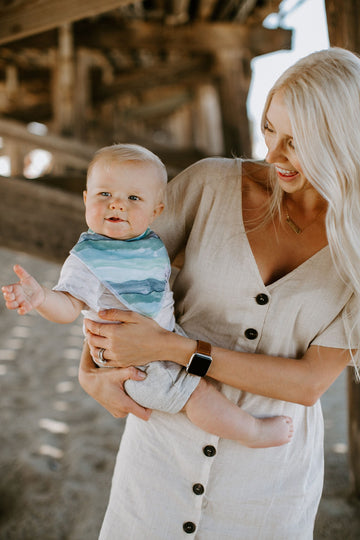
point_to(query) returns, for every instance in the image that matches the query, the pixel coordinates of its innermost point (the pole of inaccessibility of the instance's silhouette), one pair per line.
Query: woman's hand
(138, 340)
(107, 387)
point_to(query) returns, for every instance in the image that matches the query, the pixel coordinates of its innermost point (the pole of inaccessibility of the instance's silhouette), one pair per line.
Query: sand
(58, 445)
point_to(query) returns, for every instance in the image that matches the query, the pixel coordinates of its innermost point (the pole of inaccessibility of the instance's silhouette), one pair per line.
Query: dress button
(198, 489)
(209, 450)
(262, 299)
(251, 333)
(189, 527)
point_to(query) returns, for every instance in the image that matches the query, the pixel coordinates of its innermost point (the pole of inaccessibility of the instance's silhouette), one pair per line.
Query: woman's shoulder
(256, 174)
(215, 169)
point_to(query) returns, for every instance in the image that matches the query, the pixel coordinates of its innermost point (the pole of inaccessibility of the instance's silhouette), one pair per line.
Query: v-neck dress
(174, 481)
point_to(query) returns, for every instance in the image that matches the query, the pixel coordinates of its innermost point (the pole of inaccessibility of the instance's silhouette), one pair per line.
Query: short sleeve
(183, 196)
(340, 333)
(77, 280)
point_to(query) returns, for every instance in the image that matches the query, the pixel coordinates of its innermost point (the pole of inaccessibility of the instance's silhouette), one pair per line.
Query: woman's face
(281, 149)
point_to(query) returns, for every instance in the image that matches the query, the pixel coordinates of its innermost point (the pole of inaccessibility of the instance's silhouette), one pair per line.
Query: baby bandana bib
(136, 271)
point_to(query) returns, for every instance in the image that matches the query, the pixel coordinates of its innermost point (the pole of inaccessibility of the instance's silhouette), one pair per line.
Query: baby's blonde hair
(122, 152)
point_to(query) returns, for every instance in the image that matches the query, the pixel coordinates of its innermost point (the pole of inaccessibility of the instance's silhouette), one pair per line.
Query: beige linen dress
(173, 481)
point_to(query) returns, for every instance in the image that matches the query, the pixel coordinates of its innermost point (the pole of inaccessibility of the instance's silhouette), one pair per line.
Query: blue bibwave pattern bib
(136, 271)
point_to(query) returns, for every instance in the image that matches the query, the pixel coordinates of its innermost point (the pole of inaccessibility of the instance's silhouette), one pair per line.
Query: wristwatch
(200, 361)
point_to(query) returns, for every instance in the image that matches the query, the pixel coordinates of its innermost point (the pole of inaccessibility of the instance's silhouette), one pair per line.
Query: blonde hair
(120, 153)
(322, 96)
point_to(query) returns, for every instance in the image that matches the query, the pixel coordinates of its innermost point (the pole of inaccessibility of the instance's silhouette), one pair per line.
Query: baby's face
(122, 199)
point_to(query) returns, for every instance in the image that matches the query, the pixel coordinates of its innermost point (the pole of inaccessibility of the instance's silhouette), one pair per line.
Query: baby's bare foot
(273, 431)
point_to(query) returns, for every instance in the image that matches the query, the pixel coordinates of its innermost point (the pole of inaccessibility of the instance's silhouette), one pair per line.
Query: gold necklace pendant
(293, 225)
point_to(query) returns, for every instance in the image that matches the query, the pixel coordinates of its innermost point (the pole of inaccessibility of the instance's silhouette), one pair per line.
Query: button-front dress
(173, 481)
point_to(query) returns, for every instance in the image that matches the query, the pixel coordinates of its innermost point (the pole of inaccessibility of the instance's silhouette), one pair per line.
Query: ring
(102, 361)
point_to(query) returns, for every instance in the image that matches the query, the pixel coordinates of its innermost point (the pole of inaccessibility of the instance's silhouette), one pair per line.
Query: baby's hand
(25, 295)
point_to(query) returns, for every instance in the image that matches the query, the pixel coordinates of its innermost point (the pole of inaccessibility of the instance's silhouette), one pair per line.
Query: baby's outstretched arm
(28, 294)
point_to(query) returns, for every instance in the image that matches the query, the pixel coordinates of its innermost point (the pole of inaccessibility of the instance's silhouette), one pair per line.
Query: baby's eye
(105, 194)
(134, 198)
(291, 144)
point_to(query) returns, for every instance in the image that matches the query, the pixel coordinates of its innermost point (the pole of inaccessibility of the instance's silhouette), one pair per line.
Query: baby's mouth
(115, 219)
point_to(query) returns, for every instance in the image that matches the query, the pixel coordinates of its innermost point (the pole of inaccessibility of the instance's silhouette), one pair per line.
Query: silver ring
(102, 361)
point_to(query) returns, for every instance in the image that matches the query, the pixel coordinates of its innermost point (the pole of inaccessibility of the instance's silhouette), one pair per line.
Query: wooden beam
(190, 38)
(27, 17)
(188, 71)
(51, 220)
(164, 106)
(75, 152)
(197, 37)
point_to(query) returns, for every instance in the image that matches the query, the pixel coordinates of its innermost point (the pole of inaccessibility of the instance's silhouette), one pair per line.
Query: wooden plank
(23, 18)
(197, 37)
(51, 220)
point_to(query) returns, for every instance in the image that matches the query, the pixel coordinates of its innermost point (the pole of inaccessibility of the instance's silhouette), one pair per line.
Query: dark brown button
(189, 527)
(262, 299)
(251, 333)
(198, 489)
(209, 450)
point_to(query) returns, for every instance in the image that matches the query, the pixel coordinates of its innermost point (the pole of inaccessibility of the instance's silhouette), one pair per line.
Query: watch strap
(203, 347)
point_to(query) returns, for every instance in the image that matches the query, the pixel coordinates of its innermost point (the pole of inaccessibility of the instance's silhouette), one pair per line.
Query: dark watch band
(200, 361)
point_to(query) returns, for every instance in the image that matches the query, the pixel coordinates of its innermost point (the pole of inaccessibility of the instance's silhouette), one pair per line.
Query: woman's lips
(285, 174)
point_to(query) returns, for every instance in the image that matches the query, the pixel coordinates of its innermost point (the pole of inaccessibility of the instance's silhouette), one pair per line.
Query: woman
(265, 244)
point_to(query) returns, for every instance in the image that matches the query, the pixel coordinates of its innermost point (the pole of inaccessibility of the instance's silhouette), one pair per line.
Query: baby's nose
(118, 204)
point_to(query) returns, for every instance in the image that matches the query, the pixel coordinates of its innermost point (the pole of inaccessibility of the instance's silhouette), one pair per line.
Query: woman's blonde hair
(322, 96)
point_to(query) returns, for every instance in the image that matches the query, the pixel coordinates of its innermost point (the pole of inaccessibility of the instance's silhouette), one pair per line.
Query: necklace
(293, 226)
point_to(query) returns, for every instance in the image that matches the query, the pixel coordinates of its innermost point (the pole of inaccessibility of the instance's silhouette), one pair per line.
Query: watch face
(199, 364)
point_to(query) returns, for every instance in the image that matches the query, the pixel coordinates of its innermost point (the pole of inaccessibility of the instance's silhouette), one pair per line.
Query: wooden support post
(82, 110)
(207, 125)
(343, 25)
(16, 156)
(64, 84)
(234, 73)
(354, 432)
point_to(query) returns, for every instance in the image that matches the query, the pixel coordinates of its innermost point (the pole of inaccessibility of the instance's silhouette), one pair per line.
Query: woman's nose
(274, 152)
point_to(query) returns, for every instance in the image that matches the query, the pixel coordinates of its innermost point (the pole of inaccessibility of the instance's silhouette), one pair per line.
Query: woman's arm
(139, 340)
(107, 387)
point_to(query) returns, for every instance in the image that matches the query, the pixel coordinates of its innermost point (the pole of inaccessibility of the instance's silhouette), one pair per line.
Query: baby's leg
(210, 410)
(167, 387)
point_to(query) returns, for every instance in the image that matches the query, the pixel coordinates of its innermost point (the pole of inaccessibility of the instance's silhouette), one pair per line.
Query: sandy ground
(58, 445)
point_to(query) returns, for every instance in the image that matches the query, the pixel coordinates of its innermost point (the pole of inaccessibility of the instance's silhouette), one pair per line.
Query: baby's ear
(158, 209)
(84, 196)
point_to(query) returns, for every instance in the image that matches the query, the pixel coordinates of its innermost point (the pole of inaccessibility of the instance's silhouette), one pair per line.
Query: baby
(120, 263)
